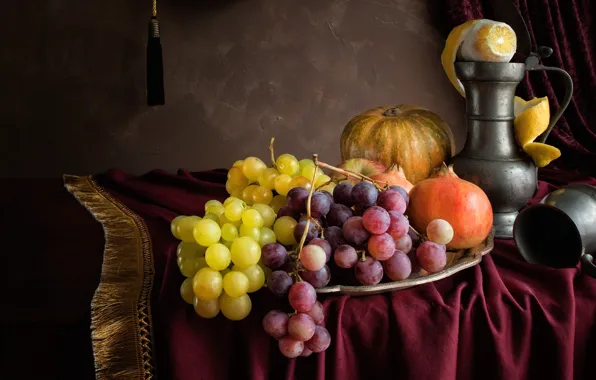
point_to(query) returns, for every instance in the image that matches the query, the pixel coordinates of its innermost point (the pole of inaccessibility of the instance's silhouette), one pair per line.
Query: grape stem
(349, 173)
(317, 224)
(315, 158)
(272, 153)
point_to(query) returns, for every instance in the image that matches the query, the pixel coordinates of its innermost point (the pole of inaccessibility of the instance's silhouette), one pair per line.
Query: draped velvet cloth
(569, 27)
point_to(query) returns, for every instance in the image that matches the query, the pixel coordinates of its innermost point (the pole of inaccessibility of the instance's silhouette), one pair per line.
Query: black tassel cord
(155, 85)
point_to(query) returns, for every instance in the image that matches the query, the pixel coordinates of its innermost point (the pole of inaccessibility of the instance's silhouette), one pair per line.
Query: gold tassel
(120, 310)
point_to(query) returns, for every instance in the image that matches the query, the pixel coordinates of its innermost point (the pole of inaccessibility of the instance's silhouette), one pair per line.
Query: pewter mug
(560, 230)
(491, 157)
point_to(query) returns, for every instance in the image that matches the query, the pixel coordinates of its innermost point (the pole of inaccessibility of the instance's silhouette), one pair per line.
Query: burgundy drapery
(569, 27)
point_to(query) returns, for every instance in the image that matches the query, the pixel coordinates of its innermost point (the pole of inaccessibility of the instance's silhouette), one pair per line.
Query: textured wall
(237, 73)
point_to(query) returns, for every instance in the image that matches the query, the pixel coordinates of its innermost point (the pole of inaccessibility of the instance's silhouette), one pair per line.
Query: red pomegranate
(463, 204)
(394, 176)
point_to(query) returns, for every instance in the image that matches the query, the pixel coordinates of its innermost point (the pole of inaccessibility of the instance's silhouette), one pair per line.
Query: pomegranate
(394, 176)
(463, 204)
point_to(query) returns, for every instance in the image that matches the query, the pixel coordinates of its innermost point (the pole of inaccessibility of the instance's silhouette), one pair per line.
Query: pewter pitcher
(492, 158)
(561, 230)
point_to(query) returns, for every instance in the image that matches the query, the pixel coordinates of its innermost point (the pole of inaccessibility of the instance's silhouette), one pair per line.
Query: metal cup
(560, 230)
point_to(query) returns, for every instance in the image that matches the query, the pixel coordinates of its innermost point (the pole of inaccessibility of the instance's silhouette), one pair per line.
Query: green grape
(229, 232)
(236, 178)
(223, 220)
(267, 236)
(237, 192)
(267, 213)
(309, 171)
(186, 226)
(278, 202)
(252, 167)
(245, 252)
(328, 187)
(265, 270)
(233, 190)
(228, 243)
(190, 250)
(207, 284)
(284, 230)
(207, 232)
(235, 309)
(206, 309)
(287, 164)
(186, 291)
(214, 207)
(238, 163)
(218, 256)
(211, 216)
(235, 283)
(262, 195)
(305, 162)
(188, 267)
(322, 179)
(252, 232)
(255, 275)
(282, 184)
(247, 194)
(300, 181)
(252, 218)
(267, 178)
(234, 210)
(224, 272)
(229, 200)
(174, 226)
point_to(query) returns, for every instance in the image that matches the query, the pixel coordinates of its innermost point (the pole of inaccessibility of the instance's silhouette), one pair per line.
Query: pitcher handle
(533, 64)
(588, 265)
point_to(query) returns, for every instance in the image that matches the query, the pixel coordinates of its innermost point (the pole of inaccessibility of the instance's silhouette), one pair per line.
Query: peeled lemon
(542, 154)
(477, 40)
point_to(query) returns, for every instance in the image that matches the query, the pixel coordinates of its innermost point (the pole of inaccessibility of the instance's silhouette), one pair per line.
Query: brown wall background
(237, 73)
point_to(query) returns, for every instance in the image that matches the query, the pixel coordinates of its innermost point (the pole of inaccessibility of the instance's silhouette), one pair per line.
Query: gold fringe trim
(120, 310)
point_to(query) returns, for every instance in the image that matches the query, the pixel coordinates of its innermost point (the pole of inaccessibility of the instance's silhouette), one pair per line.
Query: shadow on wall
(236, 74)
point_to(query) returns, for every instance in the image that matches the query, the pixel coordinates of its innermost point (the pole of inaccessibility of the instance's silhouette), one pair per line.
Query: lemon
(454, 41)
(531, 119)
(489, 41)
(542, 154)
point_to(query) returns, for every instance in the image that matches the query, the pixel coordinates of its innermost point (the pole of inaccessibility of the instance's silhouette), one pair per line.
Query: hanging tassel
(155, 83)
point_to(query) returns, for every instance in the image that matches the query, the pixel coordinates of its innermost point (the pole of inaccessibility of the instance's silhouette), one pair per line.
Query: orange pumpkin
(410, 136)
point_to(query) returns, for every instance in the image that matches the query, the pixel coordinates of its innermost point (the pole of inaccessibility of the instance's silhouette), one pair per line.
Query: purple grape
(369, 271)
(338, 214)
(318, 279)
(404, 243)
(376, 220)
(286, 211)
(399, 225)
(297, 199)
(364, 193)
(345, 256)
(403, 193)
(359, 210)
(319, 205)
(381, 247)
(279, 283)
(323, 244)
(301, 327)
(302, 296)
(431, 256)
(354, 231)
(335, 236)
(305, 353)
(317, 313)
(299, 230)
(392, 200)
(320, 341)
(290, 348)
(398, 267)
(414, 236)
(328, 195)
(342, 194)
(274, 255)
(289, 266)
(275, 324)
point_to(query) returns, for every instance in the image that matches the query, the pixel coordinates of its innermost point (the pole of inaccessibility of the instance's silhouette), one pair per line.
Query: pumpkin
(410, 136)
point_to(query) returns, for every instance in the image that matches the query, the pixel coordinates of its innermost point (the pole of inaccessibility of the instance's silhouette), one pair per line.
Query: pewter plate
(459, 261)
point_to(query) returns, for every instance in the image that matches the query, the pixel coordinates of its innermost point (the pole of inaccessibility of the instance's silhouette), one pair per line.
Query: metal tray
(458, 261)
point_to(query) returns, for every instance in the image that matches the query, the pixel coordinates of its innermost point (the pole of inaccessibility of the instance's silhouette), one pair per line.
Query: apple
(394, 176)
(362, 166)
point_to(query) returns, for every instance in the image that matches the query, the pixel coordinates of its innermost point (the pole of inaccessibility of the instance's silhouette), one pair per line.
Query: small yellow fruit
(489, 41)
(542, 154)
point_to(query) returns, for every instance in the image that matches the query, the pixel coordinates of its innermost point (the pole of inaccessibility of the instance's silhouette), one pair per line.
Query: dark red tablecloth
(503, 319)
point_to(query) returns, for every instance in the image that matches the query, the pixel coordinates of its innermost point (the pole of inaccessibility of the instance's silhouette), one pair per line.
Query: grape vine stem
(315, 158)
(349, 173)
(273, 164)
